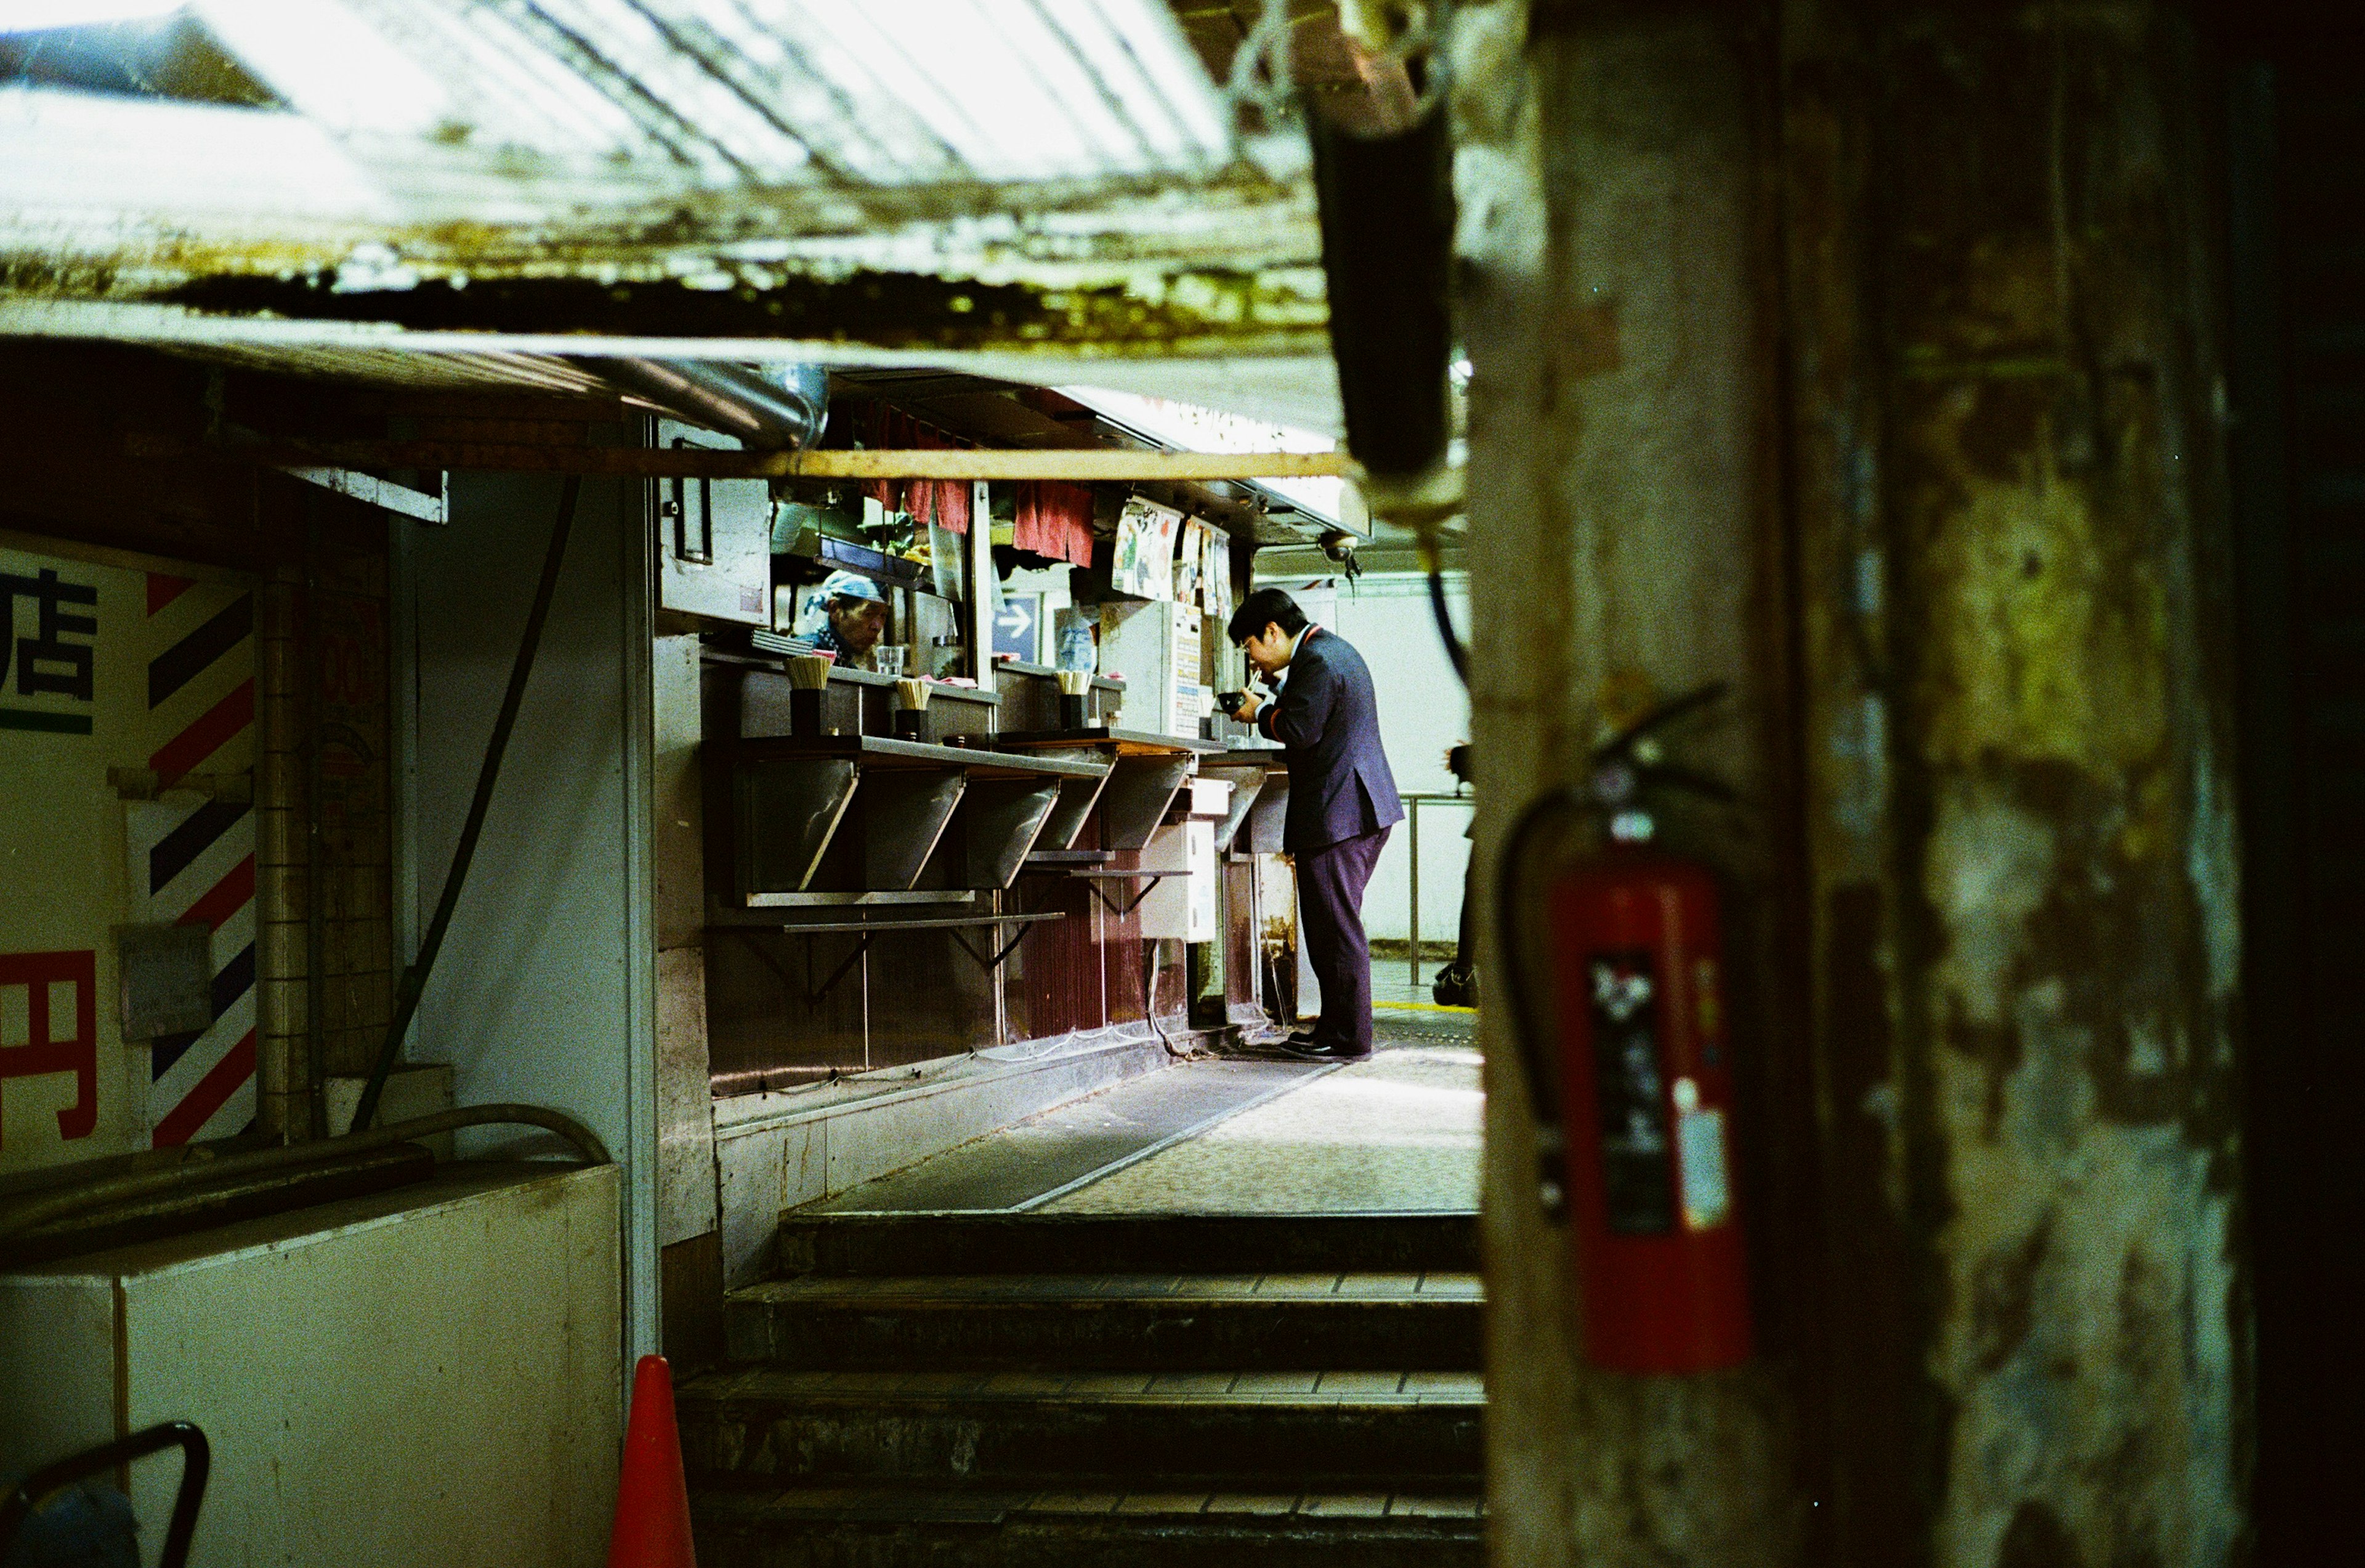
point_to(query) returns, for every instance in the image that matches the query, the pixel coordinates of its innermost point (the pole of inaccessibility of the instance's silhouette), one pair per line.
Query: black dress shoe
(1322, 1051)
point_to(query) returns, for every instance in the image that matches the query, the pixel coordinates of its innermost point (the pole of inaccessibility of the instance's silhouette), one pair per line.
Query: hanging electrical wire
(1432, 563)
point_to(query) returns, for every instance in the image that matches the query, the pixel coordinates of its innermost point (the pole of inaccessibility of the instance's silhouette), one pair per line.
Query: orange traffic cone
(652, 1499)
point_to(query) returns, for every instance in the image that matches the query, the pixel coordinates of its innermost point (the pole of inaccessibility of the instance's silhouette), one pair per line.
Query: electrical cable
(1527, 1021)
(414, 975)
(1455, 651)
(1432, 563)
(1150, 998)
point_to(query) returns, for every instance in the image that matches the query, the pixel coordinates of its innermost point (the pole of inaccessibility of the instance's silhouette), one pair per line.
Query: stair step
(1350, 1431)
(1167, 1322)
(856, 1528)
(1172, 1244)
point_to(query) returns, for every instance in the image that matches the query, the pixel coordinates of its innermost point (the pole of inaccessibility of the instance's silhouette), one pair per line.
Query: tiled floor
(1014, 1168)
(1397, 1133)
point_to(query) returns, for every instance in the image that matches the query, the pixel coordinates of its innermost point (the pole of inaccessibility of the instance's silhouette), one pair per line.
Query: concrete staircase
(981, 1392)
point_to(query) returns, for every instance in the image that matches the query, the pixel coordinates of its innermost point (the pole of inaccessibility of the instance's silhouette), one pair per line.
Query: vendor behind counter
(845, 615)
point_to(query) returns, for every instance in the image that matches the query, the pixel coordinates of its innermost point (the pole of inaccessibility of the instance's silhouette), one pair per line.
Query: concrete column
(1954, 533)
(2009, 501)
(1616, 317)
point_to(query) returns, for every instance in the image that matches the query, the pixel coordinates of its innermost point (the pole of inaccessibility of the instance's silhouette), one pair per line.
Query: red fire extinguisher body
(1646, 1072)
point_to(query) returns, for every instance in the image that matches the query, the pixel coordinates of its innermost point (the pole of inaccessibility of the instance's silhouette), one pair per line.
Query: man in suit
(1342, 801)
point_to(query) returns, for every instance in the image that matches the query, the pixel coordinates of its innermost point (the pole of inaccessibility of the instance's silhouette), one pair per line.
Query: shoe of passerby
(1456, 986)
(1323, 1050)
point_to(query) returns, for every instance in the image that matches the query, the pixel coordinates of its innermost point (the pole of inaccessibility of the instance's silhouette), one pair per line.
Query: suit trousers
(1331, 882)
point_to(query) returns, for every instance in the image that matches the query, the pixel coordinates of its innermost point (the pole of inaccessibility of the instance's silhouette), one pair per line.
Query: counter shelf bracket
(1076, 799)
(795, 797)
(904, 820)
(1001, 821)
(788, 811)
(993, 965)
(1248, 786)
(1133, 799)
(814, 996)
(1093, 879)
(868, 929)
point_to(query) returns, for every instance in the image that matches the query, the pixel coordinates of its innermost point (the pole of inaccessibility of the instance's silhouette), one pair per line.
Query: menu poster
(1215, 569)
(1143, 563)
(1188, 565)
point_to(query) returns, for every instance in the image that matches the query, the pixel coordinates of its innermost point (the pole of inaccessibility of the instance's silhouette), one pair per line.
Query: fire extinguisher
(1632, 1082)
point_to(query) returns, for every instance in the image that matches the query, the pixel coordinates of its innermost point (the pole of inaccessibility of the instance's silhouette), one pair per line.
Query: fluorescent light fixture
(40, 16)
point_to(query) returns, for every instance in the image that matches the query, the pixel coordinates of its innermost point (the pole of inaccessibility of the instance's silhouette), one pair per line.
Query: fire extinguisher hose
(1528, 1032)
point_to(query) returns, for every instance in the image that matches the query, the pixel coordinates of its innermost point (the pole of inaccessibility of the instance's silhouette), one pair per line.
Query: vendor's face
(1268, 649)
(857, 621)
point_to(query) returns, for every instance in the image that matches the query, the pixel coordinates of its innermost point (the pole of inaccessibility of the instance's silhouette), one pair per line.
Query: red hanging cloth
(1054, 520)
(945, 502)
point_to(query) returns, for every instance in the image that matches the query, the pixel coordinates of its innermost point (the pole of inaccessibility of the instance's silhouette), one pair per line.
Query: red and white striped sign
(195, 865)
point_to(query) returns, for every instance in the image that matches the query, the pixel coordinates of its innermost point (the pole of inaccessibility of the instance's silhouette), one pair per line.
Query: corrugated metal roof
(404, 191)
(662, 94)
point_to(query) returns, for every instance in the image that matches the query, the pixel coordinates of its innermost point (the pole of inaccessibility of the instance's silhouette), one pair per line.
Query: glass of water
(890, 657)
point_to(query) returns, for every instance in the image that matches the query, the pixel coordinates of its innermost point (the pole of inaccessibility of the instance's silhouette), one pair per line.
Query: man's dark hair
(1266, 607)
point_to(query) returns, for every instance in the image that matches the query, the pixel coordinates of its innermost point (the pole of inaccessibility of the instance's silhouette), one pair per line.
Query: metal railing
(1413, 801)
(18, 1503)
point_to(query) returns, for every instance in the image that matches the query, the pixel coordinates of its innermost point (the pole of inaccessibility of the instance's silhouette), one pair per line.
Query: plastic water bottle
(1076, 645)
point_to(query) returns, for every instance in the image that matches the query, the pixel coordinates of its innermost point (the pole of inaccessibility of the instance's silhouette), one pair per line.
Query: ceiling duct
(768, 408)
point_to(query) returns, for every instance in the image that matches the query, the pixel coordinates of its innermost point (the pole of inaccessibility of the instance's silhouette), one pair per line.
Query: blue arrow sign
(1014, 629)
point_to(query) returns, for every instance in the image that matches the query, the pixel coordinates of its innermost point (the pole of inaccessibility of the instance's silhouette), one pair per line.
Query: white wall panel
(428, 1377)
(544, 990)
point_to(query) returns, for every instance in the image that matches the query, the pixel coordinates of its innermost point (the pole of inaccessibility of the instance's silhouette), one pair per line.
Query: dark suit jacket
(1339, 786)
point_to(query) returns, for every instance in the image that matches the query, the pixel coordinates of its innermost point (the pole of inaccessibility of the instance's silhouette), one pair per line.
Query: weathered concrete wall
(2024, 821)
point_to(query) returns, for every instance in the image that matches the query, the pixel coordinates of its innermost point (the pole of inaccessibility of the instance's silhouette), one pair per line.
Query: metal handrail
(1413, 800)
(196, 1463)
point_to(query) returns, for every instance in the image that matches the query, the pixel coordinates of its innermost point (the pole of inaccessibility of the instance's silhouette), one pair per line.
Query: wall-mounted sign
(1018, 628)
(108, 673)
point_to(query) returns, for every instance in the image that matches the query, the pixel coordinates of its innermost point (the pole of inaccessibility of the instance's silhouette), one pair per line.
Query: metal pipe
(316, 849)
(30, 1211)
(778, 407)
(196, 1463)
(1413, 800)
(1412, 818)
(1386, 205)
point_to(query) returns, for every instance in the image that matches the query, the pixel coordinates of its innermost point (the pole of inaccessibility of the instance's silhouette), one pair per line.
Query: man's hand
(1251, 706)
